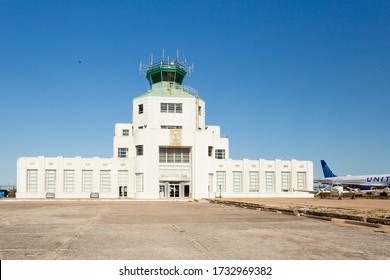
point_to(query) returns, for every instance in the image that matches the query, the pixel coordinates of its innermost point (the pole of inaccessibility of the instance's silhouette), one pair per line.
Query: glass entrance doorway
(175, 189)
(122, 191)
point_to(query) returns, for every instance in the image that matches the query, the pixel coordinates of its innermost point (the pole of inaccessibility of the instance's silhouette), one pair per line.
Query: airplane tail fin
(327, 172)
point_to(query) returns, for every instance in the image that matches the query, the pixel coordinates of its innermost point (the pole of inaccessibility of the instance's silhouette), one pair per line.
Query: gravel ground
(378, 208)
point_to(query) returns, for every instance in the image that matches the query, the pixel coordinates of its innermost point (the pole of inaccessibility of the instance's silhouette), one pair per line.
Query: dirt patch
(367, 208)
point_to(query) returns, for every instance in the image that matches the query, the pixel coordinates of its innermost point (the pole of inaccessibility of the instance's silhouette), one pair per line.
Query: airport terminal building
(167, 152)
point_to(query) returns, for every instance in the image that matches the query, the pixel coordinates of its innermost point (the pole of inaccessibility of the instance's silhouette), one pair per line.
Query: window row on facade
(69, 182)
(165, 108)
(254, 182)
(171, 107)
(169, 154)
(124, 152)
(176, 155)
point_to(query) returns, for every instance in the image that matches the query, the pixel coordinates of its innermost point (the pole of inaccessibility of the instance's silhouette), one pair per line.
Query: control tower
(168, 74)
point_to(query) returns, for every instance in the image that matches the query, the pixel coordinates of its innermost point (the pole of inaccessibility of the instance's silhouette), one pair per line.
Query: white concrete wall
(262, 166)
(77, 164)
(153, 118)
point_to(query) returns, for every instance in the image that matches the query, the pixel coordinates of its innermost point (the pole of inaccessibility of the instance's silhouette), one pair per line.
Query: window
(171, 107)
(286, 181)
(50, 180)
(156, 77)
(301, 180)
(176, 155)
(179, 107)
(219, 153)
(237, 181)
(199, 110)
(171, 127)
(210, 152)
(269, 181)
(139, 150)
(122, 152)
(140, 108)
(253, 181)
(86, 181)
(221, 181)
(125, 132)
(105, 180)
(123, 177)
(32, 180)
(69, 180)
(168, 76)
(139, 182)
(210, 182)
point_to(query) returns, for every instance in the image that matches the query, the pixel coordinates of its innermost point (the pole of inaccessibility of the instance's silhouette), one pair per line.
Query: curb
(350, 219)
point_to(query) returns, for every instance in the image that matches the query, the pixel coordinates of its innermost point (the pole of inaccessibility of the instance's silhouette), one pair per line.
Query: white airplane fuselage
(381, 180)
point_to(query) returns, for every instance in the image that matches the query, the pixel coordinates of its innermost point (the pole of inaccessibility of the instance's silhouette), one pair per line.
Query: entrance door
(186, 190)
(122, 191)
(174, 190)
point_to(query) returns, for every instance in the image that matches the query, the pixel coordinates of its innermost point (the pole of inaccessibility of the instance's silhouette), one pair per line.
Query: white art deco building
(167, 152)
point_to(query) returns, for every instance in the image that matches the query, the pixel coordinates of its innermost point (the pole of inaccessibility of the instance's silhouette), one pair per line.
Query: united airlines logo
(378, 179)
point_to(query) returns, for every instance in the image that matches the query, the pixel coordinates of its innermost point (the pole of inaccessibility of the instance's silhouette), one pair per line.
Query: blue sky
(306, 80)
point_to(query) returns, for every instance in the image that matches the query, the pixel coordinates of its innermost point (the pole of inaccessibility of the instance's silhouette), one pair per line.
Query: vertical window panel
(50, 180)
(32, 180)
(105, 180)
(269, 181)
(86, 180)
(286, 181)
(254, 181)
(139, 182)
(69, 180)
(301, 181)
(221, 181)
(237, 181)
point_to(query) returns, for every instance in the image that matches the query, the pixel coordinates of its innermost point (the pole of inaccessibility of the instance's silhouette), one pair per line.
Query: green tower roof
(166, 71)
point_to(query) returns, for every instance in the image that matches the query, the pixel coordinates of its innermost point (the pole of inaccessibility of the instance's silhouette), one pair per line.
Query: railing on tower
(166, 64)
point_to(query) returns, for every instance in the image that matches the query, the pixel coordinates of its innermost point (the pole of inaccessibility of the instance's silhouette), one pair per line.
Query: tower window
(125, 132)
(122, 152)
(171, 127)
(210, 151)
(179, 107)
(139, 149)
(171, 107)
(140, 108)
(220, 153)
(176, 155)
